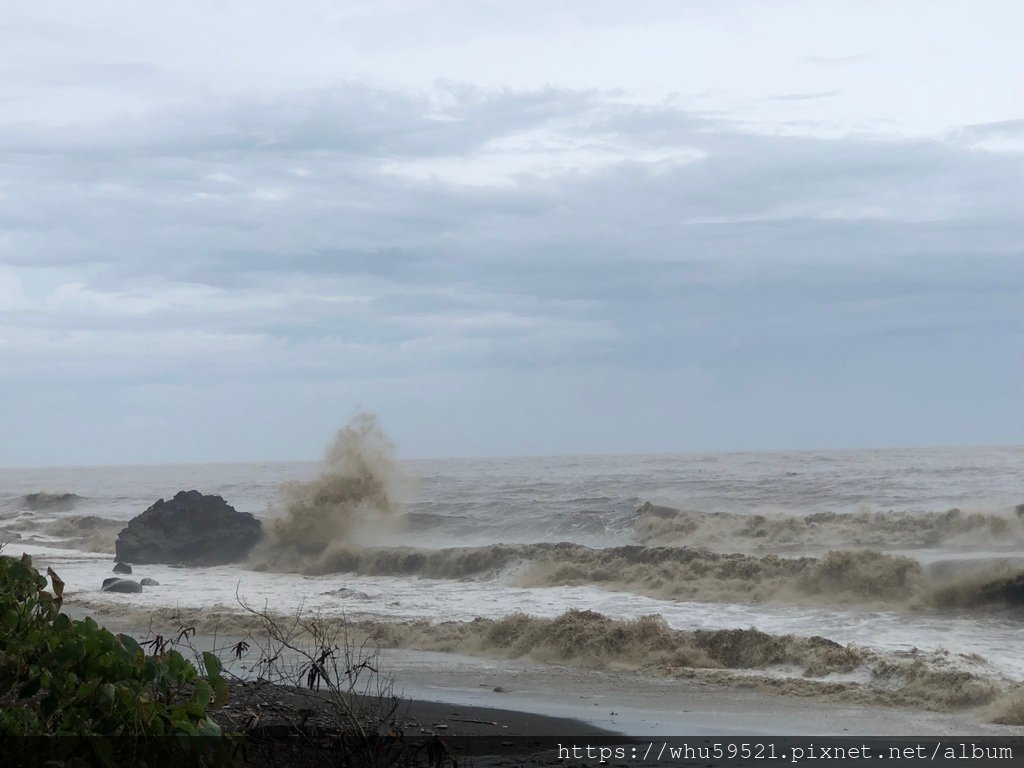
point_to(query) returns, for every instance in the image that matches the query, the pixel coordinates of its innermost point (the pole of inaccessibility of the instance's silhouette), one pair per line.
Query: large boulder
(121, 585)
(190, 529)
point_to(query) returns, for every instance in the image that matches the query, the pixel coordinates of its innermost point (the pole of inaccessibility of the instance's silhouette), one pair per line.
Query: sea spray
(354, 491)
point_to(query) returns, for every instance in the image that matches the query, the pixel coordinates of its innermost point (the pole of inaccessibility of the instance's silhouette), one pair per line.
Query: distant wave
(731, 532)
(41, 501)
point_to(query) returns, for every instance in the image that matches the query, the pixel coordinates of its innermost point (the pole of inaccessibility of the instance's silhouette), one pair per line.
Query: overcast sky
(509, 227)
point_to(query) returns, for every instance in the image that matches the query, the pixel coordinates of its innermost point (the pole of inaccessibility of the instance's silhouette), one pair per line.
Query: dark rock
(149, 583)
(190, 529)
(111, 580)
(122, 568)
(655, 510)
(121, 585)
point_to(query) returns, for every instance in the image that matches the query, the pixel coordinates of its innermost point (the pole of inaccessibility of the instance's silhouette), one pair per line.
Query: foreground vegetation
(74, 695)
(72, 692)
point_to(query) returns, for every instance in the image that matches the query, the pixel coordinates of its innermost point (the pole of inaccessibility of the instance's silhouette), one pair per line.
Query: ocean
(884, 576)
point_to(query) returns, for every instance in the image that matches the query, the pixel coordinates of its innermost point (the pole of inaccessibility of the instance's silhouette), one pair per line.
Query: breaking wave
(1008, 709)
(843, 577)
(789, 664)
(88, 533)
(937, 680)
(725, 531)
(840, 577)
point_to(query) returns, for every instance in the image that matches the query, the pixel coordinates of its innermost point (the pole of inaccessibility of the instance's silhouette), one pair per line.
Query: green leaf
(87, 689)
(184, 726)
(220, 689)
(213, 665)
(208, 728)
(130, 643)
(109, 691)
(203, 694)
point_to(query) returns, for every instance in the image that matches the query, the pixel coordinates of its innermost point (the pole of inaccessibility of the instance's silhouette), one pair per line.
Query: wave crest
(726, 531)
(46, 501)
(937, 680)
(88, 533)
(841, 577)
(796, 665)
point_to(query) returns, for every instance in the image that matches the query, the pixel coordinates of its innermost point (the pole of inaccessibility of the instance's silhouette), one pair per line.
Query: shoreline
(607, 701)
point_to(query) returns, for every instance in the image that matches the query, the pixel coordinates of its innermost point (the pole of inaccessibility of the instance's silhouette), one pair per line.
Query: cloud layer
(495, 270)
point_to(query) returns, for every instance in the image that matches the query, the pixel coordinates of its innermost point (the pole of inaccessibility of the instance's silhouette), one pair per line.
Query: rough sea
(889, 576)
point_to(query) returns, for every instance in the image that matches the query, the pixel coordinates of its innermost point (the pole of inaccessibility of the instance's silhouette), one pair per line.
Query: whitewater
(883, 576)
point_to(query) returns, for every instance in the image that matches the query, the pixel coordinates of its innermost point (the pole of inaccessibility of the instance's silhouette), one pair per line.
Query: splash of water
(354, 491)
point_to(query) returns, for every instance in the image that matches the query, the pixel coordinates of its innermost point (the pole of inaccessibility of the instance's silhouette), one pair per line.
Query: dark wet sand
(289, 726)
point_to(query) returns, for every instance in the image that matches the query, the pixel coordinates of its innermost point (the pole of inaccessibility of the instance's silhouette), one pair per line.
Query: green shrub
(73, 692)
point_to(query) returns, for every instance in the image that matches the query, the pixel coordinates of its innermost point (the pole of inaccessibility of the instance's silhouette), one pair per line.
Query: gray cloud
(406, 247)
